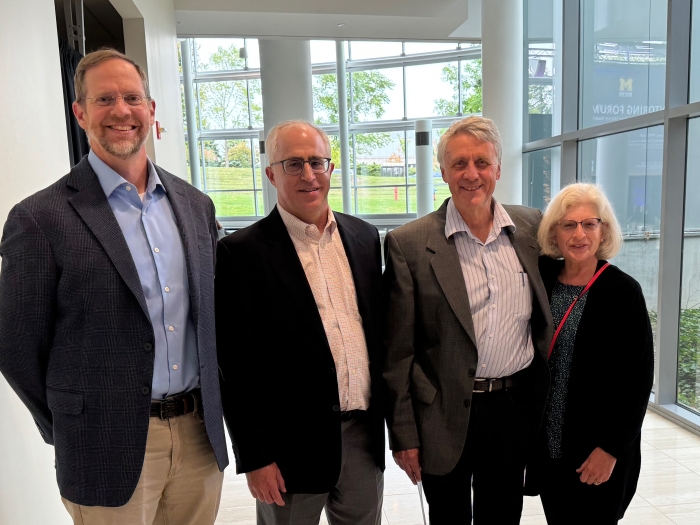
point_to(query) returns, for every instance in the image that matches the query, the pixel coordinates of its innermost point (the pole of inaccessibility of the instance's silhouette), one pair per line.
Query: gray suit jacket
(431, 349)
(76, 341)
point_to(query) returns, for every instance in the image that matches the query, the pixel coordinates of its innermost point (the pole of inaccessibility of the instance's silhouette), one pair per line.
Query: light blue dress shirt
(154, 241)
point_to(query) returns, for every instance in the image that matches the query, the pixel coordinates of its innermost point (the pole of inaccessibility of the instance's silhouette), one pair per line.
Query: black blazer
(76, 341)
(611, 374)
(279, 388)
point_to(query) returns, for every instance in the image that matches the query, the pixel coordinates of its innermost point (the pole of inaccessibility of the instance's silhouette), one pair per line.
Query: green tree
(239, 154)
(540, 99)
(471, 89)
(369, 98)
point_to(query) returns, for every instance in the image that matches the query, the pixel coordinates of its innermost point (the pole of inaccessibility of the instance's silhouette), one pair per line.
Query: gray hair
(271, 141)
(575, 195)
(481, 128)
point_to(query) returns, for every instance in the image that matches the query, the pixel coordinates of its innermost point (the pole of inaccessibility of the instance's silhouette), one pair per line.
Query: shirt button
(490, 335)
(167, 288)
(156, 250)
(174, 367)
(492, 276)
(483, 366)
(171, 328)
(128, 188)
(493, 306)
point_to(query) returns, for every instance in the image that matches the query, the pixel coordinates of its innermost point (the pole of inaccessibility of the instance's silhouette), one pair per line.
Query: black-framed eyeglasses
(132, 99)
(588, 225)
(296, 166)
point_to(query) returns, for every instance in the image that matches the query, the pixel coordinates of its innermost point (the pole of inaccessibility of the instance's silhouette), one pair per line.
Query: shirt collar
(110, 180)
(303, 231)
(455, 223)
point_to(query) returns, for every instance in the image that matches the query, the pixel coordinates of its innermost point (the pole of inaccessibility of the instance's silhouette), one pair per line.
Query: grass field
(369, 200)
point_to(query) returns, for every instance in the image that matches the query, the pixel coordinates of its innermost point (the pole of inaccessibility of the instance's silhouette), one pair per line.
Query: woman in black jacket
(601, 365)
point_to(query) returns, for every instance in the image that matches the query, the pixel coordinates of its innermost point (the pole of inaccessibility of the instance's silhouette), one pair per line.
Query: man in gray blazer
(107, 318)
(468, 330)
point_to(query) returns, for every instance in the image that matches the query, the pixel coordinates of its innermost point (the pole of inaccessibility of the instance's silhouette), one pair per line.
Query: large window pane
(623, 72)
(361, 49)
(377, 95)
(628, 167)
(542, 175)
(323, 51)
(224, 105)
(431, 90)
(695, 54)
(220, 54)
(413, 48)
(325, 96)
(544, 69)
(380, 172)
(689, 337)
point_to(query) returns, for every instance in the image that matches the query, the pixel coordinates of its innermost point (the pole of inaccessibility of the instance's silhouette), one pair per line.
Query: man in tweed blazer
(107, 319)
(467, 335)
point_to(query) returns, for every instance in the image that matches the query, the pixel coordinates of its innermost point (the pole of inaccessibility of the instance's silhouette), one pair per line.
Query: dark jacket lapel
(448, 271)
(186, 225)
(90, 203)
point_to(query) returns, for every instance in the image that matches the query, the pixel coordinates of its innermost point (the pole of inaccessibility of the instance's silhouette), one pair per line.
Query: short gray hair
(271, 141)
(575, 195)
(481, 128)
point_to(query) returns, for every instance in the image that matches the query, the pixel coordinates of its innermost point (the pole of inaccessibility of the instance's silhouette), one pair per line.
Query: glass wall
(387, 91)
(541, 170)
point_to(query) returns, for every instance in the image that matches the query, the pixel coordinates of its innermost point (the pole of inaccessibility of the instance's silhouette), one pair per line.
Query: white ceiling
(438, 20)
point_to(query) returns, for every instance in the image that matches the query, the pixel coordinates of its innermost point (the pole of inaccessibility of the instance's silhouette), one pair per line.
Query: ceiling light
(341, 25)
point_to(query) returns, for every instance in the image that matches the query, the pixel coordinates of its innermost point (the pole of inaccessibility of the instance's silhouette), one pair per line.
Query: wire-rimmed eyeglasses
(296, 166)
(588, 225)
(132, 99)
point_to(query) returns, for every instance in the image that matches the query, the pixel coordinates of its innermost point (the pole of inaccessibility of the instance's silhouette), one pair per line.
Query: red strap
(566, 315)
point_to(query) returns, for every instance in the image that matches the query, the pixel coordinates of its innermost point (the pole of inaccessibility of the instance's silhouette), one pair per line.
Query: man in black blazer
(298, 308)
(107, 318)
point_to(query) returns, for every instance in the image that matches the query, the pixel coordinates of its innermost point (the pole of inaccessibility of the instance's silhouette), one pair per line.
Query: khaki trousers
(180, 482)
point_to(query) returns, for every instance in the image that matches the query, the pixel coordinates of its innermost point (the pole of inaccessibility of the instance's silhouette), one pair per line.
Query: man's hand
(266, 484)
(597, 468)
(409, 461)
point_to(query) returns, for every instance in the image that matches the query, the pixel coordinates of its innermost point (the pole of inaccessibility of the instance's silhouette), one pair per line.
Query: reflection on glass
(380, 172)
(628, 168)
(695, 54)
(430, 90)
(689, 336)
(623, 45)
(377, 95)
(363, 49)
(542, 175)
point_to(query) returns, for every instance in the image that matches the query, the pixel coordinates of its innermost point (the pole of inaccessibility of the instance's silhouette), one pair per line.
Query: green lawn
(370, 200)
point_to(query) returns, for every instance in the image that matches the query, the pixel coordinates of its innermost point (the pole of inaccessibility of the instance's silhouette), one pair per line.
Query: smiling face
(119, 130)
(470, 168)
(305, 195)
(579, 246)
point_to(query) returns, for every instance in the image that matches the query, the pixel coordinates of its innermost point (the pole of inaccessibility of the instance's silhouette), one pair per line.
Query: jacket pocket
(423, 391)
(64, 401)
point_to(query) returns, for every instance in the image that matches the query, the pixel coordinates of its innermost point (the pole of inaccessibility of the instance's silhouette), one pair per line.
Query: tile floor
(668, 491)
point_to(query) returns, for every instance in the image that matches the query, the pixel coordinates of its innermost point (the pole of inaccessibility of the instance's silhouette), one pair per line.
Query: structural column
(285, 75)
(502, 78)
(424, 167)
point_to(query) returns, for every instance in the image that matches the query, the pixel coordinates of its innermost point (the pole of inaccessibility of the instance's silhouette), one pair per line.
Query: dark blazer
(76, 341)
(280, 391)
(431, 347)
(611, 376)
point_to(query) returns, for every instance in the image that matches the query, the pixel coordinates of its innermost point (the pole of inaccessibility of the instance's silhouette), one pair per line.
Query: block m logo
(626, 84)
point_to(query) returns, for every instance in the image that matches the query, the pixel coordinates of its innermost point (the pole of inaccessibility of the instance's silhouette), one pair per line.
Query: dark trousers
(567, 501)
(492, 463)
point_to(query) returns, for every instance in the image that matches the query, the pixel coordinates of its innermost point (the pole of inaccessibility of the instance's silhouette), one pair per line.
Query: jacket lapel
(90, 203)
(186, 225)
(448, 271)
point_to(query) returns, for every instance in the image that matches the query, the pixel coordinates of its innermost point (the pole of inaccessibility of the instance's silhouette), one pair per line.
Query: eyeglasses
(132, 99)
(589, 225)
(296, 166)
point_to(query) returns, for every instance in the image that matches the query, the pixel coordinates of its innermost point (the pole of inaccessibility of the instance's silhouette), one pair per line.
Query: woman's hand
(597, 468)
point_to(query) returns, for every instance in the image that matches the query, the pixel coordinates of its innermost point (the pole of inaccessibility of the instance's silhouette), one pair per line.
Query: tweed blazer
(280, 388)
(431, 346)
(76, 341)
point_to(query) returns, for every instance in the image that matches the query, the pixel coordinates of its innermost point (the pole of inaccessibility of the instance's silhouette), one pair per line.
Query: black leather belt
(178, 405)
(347, 415)
(494, 385)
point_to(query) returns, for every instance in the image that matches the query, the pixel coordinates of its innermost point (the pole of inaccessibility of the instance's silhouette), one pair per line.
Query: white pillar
(34, 153)
(267, 188)
(502, 78)
(424, 167)
(285, 76)
(343, 136)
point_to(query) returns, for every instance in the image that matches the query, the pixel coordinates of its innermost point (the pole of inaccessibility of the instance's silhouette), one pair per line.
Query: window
(695, 54)
(541, 171)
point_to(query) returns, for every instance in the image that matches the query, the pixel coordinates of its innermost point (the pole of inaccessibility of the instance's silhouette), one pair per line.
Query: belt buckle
(161, 412)
(491, 384)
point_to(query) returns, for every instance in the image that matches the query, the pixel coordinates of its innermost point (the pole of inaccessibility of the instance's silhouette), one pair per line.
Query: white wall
(150, 39)
(34, 153)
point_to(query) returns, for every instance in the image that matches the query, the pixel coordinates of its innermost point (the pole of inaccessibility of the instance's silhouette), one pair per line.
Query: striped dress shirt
(500, 294)
(327, 270)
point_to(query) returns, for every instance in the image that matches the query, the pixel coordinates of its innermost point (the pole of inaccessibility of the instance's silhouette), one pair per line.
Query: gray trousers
(355, 500)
